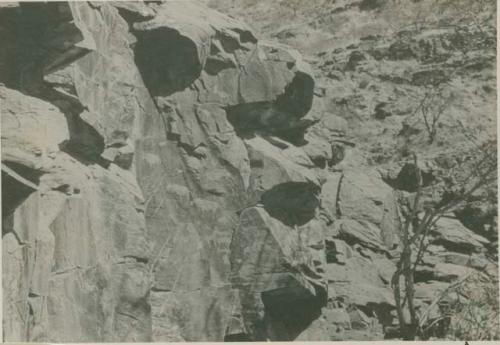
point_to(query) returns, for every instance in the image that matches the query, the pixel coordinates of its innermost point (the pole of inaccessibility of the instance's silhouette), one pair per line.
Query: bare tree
(432, 107)
(468, 179)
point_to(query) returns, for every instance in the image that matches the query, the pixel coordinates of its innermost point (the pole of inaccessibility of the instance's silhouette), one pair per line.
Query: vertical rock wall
(159, 183)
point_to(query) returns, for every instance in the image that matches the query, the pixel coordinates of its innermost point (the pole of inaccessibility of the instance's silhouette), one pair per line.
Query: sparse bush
(471, 178)
(468, 310)
(432, 107)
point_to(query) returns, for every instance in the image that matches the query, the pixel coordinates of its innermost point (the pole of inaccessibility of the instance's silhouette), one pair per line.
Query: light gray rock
(359, 282)
(275, 274)
(330, 195)
(453, 235)
(32, 129)
(168, 176)
(362, 232)
(271, 167)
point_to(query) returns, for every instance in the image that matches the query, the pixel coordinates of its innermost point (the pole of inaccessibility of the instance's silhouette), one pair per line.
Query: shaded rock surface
(167, 175)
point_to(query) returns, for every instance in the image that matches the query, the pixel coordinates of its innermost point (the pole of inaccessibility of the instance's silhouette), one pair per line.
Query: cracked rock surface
(169, 175)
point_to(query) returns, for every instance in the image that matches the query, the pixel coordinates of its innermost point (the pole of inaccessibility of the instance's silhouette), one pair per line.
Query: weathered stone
(442, 272)
(208, 310)
(166, 176)
(361, 232)
(329, 195)
(270, 167)
(453, 235)
(337, 251)
(114, 57)
(367, 198)
(32, 129)
(270, 263)
(474, 261)
(358, 282)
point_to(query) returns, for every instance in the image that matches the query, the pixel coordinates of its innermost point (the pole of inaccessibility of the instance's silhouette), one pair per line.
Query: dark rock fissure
(282, 117)
(289, 311)
(168, 61)
(16, 190)
(170, 117)
(293, 203)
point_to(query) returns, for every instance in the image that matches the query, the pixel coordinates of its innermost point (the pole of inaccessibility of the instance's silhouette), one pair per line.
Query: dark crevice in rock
(167, 61)
(248, 120)
(319, 161)
(245, 118)
(338, 212)
(381, 112)
(24, 172)
(295, 134)
(289, 311)
(138, 259)
(481, 221)
(298, 97)
(338, 154)
(157, 289)
(85, 143)
(132, 15)
(353, 241)
(332, 253)
(237, 338)
(7, 227)
(462, 248)
(424, 275)
(215, 66)
(293, 203)
(22, 34)
(190, 150)
(281, 117)
(39, 38)
(407, 179)
(370, 5)
(45, 36)
(380, 311)
(127, 315)
(18, 182)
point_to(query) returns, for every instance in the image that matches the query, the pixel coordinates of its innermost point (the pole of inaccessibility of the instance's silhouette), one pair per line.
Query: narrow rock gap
(293, 203)
(289, 311)
(338, 213)
(281, 117)
(18, 182)
(167, 61)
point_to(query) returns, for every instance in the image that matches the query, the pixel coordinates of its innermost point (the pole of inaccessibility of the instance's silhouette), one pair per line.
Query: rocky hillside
(170, 173)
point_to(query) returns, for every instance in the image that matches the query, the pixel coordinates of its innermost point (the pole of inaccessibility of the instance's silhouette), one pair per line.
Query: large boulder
(76, 247)
(32, 130)
(47, 37)
(259, 85)
(102, 91)
(366, 197)
(359, 282)
(215, 87)
(282, 292)
(455, 236)
(83, 275)
(365, 209)
(271, 166)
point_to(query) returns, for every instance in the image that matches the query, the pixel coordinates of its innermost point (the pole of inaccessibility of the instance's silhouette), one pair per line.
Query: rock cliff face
(167, 176)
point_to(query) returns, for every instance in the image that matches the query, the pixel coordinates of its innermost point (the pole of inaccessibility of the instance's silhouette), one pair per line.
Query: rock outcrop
(168, 176)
